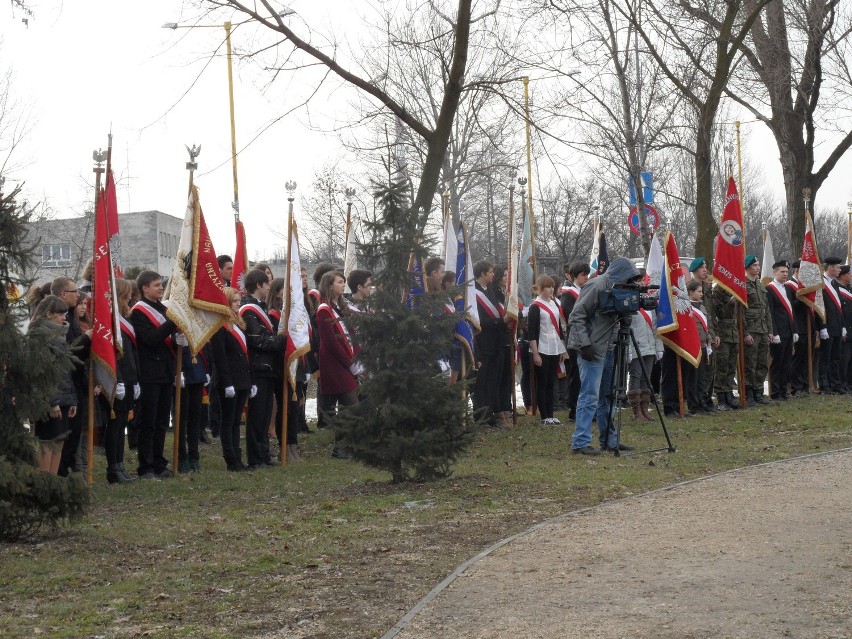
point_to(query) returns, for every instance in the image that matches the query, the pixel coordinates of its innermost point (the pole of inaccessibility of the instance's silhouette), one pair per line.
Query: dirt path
(760, 552)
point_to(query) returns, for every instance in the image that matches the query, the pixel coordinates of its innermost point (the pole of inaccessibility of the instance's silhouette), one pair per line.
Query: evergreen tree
(29, 373)
(410, 422)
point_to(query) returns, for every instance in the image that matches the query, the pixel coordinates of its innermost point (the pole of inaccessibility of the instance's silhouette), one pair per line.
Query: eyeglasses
(74, 291)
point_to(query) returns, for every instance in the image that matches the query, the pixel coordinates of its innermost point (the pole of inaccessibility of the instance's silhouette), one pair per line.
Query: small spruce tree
(410, 422)
(29, 374)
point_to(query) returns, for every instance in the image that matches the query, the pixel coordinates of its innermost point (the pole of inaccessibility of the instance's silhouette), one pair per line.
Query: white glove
(182, 380)
(843, 332)
(659, 355)
(137, 391)
(207, 383)
(774, 339)
(230, 392)
(823, 333)
(253, 391)
(629, 357)
(709, 350)
(180, 340)
(120, 392)
(795, 337)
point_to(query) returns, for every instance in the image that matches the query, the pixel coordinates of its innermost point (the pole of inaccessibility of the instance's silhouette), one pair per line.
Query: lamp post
(228, 26)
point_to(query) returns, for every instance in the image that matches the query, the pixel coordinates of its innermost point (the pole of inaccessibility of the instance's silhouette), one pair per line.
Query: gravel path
(764, 551)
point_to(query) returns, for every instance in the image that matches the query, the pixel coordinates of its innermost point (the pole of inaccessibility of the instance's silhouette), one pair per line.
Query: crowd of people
(564, 343)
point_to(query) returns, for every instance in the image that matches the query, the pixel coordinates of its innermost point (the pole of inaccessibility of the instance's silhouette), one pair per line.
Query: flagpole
(740, 171)
(236, 203)
(526, 81)
(514, 345)
(285, 409)
(191, 166)
(524, 211)
(806, 194)
(849, 233)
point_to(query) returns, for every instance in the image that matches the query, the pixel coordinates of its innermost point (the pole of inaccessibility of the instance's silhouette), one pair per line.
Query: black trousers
(545, 378)
(846, 365)
(487, 391)
(507, 383)
(229, 433)
(669, 383)
(190, 421)
(114, 437)
(831, 354)
(257, 421)
(215, 412)
(68, 458)
(156, 405)
(524, 347)
(798, 374)
(573, 375)
(779, 368)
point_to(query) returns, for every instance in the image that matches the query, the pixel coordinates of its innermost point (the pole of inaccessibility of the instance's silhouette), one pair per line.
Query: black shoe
(123, 472)
(272, 462)
(256, 466)
(149, 476)
(183, 467)
(195, 465)
(585, 450)
(237, 468)
(760, 398)
(203, 438)
(165, 474)
(621, 446)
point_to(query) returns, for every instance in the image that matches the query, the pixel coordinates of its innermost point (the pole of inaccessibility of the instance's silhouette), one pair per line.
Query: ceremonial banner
(450, 252)
(811, 281)
(599, 258)
(514, 254)
(465, 299)
(675, 321)
(729, 261)
(106, 331)
(112, 225)
(241, 265)
(766, 274)
(418, 280)
(350, 258)
(526, 274)
(298, 321)
(196, 301)
(654, 265)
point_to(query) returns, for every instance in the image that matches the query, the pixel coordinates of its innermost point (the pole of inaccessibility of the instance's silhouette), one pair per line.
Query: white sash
(782, 294)
(339, 324)
(240, 337)
(259, 312)
(482, 299)
(156, 317)
(834, 297)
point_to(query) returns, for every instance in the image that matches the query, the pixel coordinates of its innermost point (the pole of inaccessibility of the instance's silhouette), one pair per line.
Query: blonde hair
(230, 293)
(123, 291)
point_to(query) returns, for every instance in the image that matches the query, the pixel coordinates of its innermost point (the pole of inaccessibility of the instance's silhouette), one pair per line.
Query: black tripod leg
(647, 379)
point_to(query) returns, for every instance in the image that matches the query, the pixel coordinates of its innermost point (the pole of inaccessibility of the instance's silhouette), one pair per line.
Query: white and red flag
(811, 281)
(112, 225)
(241, 265)
(729, 261)
(106, 331)
(298, 323)
(675, 320)
(196, 301)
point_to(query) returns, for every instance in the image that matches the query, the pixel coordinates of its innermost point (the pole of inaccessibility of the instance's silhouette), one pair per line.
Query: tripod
(618, 388)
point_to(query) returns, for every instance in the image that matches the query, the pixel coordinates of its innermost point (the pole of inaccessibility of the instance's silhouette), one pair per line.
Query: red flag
(729, 261)
(112, 225)
(105, 336)
(197, 302)
(241, 265)
(675, 321)
(810, 272)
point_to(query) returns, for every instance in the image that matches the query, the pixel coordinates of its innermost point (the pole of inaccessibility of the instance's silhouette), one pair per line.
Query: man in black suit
(489, 345)
(266, 355)
(844, 280)
(784, 332)
(833, 332)
(155, 344)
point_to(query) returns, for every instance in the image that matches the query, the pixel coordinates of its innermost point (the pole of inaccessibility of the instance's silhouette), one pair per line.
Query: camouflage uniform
(724, 312)
(707, 370)
(758, 324)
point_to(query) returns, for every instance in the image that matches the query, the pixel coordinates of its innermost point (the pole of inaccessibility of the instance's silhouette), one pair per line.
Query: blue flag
(465, 298)
(418, 280)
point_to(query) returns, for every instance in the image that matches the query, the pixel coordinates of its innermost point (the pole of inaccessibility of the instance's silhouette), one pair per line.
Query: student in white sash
(546, 331)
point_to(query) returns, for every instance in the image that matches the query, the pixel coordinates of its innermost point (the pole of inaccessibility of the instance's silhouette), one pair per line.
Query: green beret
(750, 259)
(696, 264)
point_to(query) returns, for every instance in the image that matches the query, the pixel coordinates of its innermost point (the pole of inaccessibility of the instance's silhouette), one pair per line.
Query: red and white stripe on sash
(275, 313)
(338, 324)
(154, 316)
(449, 308)
(565, 289)
(258, 312)
(573, 290)
(127, 329)
(485, 303)
(648, 319)
(793, 284)
(781, 294)
(701, 317)
(833, 294)
(240, 337)
(545, 307)
(845, 293)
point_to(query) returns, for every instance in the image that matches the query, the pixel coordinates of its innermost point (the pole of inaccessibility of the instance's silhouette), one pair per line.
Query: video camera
(626, 299)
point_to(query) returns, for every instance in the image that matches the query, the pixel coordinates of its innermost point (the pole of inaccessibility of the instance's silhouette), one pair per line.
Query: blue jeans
(605, 427)
(595, 380)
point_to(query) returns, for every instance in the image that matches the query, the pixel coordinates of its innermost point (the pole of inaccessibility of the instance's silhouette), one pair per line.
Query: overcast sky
(81, 67)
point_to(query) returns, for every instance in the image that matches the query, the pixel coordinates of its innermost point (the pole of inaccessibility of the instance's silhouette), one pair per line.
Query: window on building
(56, 255)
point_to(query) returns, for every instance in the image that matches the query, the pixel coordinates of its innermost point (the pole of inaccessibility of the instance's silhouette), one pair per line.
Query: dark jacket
(230, 361)
(128, 371)
(66, 393)
(491, 337)
(335, 356)
(783, 322)
(156, 357)
(195, 372)
(265, 347)
(833, 315)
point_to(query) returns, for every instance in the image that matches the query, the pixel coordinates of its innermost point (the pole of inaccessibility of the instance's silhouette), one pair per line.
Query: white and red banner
(106, 330)
(675, 320)
(241, 265)
(298, 321)
(112, 225)
(810, 272)
(197, 302)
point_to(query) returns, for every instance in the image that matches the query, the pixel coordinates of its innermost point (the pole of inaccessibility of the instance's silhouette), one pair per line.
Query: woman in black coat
(233, 380)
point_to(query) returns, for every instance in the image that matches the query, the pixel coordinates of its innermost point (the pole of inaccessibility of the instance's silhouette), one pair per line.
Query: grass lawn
(328, 548)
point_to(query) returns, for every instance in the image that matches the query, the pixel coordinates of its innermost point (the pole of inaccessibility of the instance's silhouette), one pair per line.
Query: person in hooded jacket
(590, 335)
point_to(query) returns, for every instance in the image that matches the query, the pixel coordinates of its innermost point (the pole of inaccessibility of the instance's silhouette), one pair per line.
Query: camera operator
(591, 335)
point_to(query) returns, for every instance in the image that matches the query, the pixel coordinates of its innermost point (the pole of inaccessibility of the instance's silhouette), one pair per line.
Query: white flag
(298, 321)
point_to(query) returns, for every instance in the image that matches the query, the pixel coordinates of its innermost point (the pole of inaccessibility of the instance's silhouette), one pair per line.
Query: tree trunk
(706, 221)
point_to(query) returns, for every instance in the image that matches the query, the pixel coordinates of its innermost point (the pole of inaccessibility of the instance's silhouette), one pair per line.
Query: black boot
(115, 476)
(127, 478)
(730, 401)
(760, 398)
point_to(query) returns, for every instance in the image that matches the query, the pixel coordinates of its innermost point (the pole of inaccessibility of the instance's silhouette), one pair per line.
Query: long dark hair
(50, 304)
(326, 283)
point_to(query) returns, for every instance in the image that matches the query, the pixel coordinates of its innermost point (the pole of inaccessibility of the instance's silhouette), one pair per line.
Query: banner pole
(285, 409)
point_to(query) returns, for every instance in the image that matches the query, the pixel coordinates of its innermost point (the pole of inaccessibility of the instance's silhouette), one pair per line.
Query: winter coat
(66, 392)
(646, 336)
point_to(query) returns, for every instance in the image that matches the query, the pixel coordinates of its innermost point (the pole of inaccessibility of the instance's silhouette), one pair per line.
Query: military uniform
(725, 309)
(758, 324)
(707, 370)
